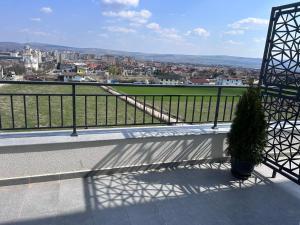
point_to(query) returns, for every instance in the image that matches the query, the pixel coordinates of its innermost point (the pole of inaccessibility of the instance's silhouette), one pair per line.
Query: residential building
(169, 79)
(229, 81)
(71, 77)
(199, 81)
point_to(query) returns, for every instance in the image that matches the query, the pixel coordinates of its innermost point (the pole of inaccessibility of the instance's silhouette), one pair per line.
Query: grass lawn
(205, 104)
(66, 114)
(179, 90)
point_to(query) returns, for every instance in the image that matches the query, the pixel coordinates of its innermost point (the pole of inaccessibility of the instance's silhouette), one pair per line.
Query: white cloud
(199, 31)
(35, 19)
(235, 32)
(119, 29)
(133, 16)
(153, 26)
(46, 10)
(166, 33)
(188, 33)
(248, 22)
(134, 3)
(231, 42)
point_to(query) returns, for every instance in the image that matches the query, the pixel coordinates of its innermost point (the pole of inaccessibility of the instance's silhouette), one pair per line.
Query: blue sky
(196, 27)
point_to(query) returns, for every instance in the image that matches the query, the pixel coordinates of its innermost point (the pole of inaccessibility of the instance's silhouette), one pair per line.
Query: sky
(191, 27)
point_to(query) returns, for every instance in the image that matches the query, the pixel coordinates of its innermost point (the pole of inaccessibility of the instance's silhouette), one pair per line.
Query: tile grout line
(23, 202)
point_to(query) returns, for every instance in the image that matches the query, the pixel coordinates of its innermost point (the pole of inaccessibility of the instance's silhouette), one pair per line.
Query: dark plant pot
(241, 170)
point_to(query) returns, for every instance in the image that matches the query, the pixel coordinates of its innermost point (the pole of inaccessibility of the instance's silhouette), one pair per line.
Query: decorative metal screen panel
(280, 79)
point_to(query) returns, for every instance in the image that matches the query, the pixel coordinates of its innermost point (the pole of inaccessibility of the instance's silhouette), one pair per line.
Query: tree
(248, 134)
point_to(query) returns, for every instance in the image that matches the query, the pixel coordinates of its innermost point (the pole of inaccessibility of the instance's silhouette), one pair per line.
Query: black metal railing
(23, 108)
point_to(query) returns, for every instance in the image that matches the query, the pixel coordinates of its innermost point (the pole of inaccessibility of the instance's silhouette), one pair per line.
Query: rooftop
(200, 194)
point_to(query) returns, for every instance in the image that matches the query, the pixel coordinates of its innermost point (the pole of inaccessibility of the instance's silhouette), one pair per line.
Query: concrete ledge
(42, 156)
(90, 135)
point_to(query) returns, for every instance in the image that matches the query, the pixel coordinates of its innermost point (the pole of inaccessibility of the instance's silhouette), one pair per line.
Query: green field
(179, 90)
(204, 98)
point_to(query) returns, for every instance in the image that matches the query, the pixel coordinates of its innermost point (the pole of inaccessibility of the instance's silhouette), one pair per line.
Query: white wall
(112, 149)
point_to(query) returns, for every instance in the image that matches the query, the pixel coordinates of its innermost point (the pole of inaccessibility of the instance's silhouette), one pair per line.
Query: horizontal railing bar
(150, 95)
(36, 128)
(81, 126)
(31, 94)
(119, 124)
(121, 95)
(118, 84)
(104, 125)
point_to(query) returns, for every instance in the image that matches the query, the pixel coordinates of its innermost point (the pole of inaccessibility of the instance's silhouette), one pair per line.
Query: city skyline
(173, 27)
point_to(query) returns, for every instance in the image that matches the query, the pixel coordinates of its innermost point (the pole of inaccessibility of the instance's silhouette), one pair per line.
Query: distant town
(32, 64)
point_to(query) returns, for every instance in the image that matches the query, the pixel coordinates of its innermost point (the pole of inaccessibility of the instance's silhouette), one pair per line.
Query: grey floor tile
(38, 205)
(41, 200)
(11, 202)
(73, 196)
(80, 218)
(147, 214)
(188, 196)
(116, 216)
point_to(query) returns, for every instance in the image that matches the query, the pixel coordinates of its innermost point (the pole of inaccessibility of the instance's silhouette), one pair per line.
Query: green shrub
(247, 137)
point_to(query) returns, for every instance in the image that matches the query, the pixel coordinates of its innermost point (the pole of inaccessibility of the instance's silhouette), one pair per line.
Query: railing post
(74, 134)
(217, 108)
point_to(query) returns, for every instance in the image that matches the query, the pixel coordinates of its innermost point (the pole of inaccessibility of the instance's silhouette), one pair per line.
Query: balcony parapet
(51, 155)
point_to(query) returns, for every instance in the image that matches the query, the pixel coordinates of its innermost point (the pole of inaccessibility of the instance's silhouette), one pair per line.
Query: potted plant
(247, 137)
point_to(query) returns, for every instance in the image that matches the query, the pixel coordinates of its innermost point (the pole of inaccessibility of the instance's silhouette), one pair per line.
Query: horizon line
(125, 51)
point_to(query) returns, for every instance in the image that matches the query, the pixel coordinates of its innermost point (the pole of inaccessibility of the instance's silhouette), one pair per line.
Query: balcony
(112, 154)
(115, 158)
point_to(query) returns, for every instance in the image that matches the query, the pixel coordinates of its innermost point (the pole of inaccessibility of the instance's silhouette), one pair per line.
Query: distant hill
(193, 59)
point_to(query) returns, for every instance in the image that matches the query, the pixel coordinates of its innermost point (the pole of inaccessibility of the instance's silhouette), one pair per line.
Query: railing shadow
(192, 194)
(119, 190)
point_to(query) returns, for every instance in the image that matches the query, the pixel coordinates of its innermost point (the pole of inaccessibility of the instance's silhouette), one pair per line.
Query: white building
(30, 62)
(229, 81)
(31, 58)
(14, 54)
(71, 77)
(170, 81)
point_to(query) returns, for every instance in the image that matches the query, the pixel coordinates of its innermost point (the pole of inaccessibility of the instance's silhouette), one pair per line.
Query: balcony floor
(205, 194)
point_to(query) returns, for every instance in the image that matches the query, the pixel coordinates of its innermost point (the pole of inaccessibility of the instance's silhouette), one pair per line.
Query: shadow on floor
(205, 194)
